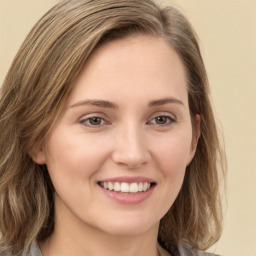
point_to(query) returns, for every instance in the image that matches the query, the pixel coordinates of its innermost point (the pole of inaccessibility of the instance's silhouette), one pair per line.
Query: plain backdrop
(227, 33)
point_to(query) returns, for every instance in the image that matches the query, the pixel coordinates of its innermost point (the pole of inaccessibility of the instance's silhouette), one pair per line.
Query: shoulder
(186, 250)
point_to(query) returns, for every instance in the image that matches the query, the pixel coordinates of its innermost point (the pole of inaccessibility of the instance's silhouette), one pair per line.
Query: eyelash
(168, 120)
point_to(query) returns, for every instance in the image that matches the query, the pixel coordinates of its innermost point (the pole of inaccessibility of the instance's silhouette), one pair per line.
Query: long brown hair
(35, 91)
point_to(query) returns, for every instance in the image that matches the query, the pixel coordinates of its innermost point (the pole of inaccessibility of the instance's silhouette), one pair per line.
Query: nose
(130, 148)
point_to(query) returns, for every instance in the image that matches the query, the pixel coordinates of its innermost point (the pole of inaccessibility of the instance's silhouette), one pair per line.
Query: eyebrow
(165, 101)
(108, 104)
(97, 103)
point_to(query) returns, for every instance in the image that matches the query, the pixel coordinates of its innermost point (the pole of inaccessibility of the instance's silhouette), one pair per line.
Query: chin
(130, 226)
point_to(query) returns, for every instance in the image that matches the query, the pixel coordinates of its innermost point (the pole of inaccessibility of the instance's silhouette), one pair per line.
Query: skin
(135, 76)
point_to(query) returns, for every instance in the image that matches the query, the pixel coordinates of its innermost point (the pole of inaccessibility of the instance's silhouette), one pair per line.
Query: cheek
(171, 158)
(73, 158)
(72, 162)
(173, 152)
(173, 167)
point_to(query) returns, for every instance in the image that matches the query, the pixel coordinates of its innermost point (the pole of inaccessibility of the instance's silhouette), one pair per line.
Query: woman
(108, 140)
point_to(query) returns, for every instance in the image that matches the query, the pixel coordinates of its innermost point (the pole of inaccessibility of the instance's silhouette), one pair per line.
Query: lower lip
(127, 198)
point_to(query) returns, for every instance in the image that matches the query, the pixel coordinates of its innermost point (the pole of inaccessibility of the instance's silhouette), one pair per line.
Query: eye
(93, 121)
(162, 120)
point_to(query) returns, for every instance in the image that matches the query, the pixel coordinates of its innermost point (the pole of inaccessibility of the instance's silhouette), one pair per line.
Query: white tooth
(117, 186)
(140, 186)
(110, 186)
(148, 186)
(134, 188)
(105, 185)
(145, 186)
(124, 187)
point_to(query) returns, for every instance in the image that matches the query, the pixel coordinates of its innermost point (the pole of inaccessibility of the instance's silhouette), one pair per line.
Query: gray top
(34, 250)
(184, 250)
(187, 250)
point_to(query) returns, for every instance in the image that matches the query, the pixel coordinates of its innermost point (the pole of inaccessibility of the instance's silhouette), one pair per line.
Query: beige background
(228, 40)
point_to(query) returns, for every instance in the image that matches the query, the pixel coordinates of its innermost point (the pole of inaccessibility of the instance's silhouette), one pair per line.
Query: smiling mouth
(125, 187)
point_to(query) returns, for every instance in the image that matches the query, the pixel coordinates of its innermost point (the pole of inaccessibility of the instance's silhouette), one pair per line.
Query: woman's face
(118, 153)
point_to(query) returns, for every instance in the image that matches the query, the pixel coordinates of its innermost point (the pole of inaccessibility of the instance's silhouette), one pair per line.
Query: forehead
(137, 63)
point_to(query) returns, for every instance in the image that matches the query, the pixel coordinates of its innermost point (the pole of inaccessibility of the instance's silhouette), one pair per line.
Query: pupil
(161, 120)
(95, 121)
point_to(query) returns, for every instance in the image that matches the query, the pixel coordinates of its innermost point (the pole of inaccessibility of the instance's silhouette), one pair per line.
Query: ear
(38, 154)
(195, 138)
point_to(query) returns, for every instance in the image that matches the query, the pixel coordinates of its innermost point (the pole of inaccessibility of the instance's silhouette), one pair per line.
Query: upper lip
(129, 179)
